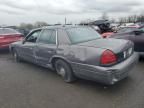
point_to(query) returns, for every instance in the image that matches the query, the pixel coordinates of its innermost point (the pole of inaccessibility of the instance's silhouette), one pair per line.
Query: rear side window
(52, 39)
(47, 37)
(8, 31)
(63, 38)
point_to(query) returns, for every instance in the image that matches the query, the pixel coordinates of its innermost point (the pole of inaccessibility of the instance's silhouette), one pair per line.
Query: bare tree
(40, 24)
(132, 19)
(26, 26)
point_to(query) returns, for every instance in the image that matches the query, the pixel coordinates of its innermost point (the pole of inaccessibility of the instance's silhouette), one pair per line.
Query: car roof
(4, 30)
(60, 27)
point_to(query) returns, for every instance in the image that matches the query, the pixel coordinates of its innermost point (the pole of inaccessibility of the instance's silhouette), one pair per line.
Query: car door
(26, 50)
(139, 42)
(125, 33)
(46, 46)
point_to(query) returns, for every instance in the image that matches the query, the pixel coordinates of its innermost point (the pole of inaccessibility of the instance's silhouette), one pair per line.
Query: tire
(16, 56)
(64, 70)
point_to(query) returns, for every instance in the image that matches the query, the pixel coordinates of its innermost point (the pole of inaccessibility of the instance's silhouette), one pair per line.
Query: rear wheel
(64, 70)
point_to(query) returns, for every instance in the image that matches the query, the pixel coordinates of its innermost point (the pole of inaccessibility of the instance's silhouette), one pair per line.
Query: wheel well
(58, 58)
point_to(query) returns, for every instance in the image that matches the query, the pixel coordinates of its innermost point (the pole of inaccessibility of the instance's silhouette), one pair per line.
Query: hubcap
(15, 56)
(61, 71)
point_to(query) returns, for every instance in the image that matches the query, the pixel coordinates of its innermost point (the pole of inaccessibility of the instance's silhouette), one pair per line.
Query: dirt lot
(24, 85)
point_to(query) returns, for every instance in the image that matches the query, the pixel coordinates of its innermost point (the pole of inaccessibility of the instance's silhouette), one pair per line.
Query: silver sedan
(77, 52)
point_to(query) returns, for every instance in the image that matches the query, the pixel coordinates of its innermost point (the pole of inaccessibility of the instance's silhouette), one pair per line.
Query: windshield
(82, 34)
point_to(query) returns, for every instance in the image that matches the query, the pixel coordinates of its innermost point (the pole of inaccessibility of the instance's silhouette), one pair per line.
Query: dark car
(134, 34)
(121, 31)
(125, 30)
(8, 36)
(104, 25)
(75, 51)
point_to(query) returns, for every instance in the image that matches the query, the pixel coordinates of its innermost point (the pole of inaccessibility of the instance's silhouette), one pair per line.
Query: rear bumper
(106, 75)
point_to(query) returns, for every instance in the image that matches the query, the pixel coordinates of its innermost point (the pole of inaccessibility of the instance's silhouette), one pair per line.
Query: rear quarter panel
(81, 54)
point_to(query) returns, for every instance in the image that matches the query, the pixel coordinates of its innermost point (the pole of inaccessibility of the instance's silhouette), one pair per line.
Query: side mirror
(138, 32)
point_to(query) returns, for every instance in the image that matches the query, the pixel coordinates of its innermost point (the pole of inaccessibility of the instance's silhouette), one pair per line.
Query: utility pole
(65, 20)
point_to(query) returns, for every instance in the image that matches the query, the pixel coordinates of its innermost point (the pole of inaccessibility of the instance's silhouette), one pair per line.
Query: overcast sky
(53, 11)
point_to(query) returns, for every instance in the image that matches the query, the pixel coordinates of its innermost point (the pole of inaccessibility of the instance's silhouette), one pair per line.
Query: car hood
(17, 43)
(115, 45)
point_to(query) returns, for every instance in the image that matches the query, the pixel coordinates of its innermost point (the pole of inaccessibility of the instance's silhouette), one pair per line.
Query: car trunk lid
(9, 38)
(115, 45)
(121, 48)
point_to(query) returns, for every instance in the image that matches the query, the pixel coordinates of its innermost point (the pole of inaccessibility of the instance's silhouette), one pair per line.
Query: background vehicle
(107, 34)
(120, 31)
(104, 25)
(75, 51)
(8, 36)
(101, 26)
(133, 34)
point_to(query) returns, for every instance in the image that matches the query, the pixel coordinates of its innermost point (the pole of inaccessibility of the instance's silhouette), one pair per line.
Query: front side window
(82, 34)
(33, 36)
(48, 37)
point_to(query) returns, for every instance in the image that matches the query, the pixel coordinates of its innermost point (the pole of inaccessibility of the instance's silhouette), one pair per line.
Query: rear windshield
(82, 34)
(4, 31)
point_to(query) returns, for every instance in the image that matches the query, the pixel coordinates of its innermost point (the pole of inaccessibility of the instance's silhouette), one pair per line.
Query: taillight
(104, 36)
(108, 57)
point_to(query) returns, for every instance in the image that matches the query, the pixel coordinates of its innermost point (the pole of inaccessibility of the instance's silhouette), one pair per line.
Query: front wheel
(16, 57)
(64, 70)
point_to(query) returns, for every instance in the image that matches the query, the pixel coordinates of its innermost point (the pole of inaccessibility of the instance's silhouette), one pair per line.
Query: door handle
(50, 51)
(28, 47)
